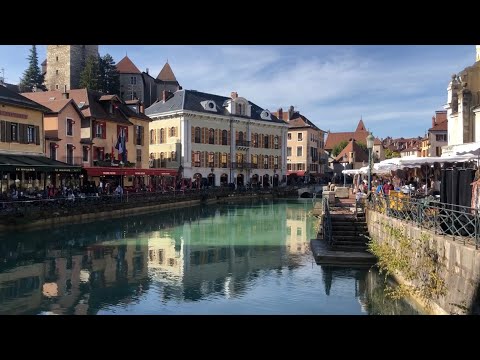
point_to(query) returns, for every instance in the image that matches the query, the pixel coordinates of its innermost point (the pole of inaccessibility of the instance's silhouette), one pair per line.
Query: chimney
(234, 95)
(65, 94)
(433, 121)
(141, 108)
(280, 114)
(166, 95)
(290, 112)
(147, 71)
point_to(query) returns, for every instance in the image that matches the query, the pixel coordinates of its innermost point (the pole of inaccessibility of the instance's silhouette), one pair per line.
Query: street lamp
(345, 162)
(370, 140)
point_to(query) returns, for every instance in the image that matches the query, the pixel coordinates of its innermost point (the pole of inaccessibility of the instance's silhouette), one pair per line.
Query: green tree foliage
(337, 149)
(32, 77)
(363, 146)
(90, 76)
(109, 76)
(391, 154)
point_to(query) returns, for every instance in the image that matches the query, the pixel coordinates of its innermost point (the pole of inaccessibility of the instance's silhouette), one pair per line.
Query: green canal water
(250, 258)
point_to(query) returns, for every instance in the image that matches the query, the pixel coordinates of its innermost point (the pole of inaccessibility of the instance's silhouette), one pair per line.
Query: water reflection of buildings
(188, 255)
(297, 234)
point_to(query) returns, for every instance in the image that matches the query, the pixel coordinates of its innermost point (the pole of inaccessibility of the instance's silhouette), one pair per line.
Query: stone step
(344, 242)
(348, 231)
(357, 238)
(348, 248)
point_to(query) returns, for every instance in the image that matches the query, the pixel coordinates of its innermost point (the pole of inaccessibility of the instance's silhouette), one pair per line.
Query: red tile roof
(126, 66)
(443, 126)
(377, 141)
(360, 154)
(336, 138)
(166, 74)
(360, 126)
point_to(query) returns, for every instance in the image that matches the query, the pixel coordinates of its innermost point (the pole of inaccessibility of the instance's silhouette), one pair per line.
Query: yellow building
(425, 147)
(222, 139)
(22, 145)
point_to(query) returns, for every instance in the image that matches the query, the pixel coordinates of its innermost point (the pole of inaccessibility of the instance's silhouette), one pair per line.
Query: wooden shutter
(3, 131)
(193, 158)
(21, 133)
(228, 138)
(202, 158)
(8, 131)
(271, 142)
(216, 159)
(36, 135)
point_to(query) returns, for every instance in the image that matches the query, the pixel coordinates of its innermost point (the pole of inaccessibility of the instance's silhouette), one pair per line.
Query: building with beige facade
(305, 144)
(223, 139)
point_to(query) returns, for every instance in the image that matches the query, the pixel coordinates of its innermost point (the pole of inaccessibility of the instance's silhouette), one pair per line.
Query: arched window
(197, 135)
(211, 160)
(224, 137)
(275, 141)
(152, 136)
(239, 109)
(275, 162)
(196, 159)
(265, 162)
(224, 160)
(211, 136)
(239, 160)
(172, 131)
(240, 138)
(162, 136)
(265, 142)
(255, 140)
(255, 161)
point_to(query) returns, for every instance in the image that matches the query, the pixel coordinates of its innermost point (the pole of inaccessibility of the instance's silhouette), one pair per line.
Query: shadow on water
(369, 289)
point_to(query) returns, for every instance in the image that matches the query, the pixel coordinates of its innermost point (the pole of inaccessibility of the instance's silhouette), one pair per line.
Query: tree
(90, 75)
(109, 76)
(363, 146)
(337, 149)
(391, 154)
(32, 77)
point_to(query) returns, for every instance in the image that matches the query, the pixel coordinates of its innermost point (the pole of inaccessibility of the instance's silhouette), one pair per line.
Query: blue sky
(396, 89)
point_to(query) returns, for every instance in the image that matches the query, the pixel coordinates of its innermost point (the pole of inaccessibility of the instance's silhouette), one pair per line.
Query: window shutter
(36, 134)
(2, 131)
(21, 133)
(271, 142)
(142, 134)
(206, 159)
(216, 159)
(193, 158)
(8, 132)
(228, 139)
(193, 135)
(202, 159)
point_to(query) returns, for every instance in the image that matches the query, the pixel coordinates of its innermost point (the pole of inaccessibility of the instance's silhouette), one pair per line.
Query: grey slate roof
(12, 98)
(190, 100)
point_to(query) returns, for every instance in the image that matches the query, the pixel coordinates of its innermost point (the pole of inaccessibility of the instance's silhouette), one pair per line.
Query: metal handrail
(444, 219)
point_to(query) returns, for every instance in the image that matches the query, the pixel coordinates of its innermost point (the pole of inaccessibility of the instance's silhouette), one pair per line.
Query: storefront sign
(13, 114)
(24, 169)
(70, 170)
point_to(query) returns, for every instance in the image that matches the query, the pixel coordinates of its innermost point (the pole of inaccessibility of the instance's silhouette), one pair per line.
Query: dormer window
(265, 115)
(240, 110)
(209, 105)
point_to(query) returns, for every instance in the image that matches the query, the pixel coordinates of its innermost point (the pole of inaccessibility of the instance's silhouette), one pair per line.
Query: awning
(35, 163)
(298, 173)
(103, 171)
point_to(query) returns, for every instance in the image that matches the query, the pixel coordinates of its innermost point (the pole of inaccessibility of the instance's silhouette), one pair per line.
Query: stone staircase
(348, 232)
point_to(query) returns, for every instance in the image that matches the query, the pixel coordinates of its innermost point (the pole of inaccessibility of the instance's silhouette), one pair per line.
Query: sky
(394, 89)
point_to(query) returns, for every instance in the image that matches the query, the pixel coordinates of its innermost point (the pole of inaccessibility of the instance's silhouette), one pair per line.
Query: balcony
(71, 160)
(241, 165)
(242, 145)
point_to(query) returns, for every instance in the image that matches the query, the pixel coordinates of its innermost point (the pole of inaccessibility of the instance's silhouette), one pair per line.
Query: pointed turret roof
(166, 74)
(126, 66)
(360, 126)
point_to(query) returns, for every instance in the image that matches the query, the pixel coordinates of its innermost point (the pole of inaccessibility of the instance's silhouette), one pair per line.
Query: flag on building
(122, 151)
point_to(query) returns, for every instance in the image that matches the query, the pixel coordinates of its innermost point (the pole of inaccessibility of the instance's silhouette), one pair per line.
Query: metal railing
(243, 143)
(326, 222)
(445, 219)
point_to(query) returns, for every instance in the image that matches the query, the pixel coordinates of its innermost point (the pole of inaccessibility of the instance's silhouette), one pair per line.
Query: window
(224, 160)
(289, 167)
(98, 153)
(57, 59)
(289, 136)
(239, 160)
(196, 159)
(441, 137)
(211, 162)
(139, 135)
(99, 130)
(85, 153)
(240, 138)
(56, 87)
(174, 156)
(289, 230)
(275, 162)
(255, 140)
(53, 151)
(265, 162)
(240, 109)
(289, 151)
(172, 131)
(224, 137)
(160, 257)
(300, 166)
(139, 155)
(299, 231)
(56, 72)
(300, 136)
(14, 131)
(70, 149)
(133, 80)
(171, 262)
(275, 141)
(438, 151)
(69, 127)
(162, 136)
(30, 134)
(299, 151)
(265, 141)
(163, 161)
(255, 161)
(211, 136)
(197, 135)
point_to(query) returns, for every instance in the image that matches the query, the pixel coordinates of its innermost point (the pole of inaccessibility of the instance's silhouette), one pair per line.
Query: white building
(223, 139)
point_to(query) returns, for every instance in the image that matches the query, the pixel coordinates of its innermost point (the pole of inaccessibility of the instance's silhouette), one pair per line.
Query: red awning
(299, 173)
(102, 171)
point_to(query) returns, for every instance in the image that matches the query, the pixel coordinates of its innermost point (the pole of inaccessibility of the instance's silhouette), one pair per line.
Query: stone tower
(65, 63)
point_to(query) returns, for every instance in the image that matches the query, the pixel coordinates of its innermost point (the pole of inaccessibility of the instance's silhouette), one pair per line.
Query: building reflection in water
(188, 254)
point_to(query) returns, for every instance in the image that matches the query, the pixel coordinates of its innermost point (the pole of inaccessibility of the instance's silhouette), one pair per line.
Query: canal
(250, 258)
